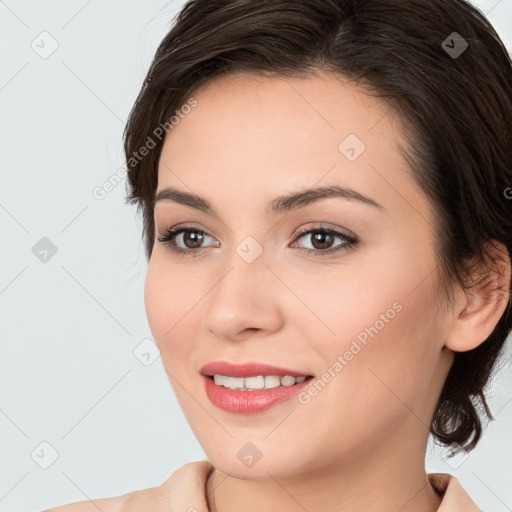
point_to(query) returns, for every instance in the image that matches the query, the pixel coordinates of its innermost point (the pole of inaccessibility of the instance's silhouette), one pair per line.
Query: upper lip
(249, 369)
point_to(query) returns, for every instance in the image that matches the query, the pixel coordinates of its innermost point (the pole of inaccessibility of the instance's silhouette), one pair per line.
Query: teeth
(272, 381)
(257, 382)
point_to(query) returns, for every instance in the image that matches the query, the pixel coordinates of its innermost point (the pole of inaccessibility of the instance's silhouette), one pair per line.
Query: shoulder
(185, 486)
(454, 497)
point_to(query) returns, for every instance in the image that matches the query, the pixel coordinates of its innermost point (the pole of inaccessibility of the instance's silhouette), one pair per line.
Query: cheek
(155, 299)
(385, 299)
(390, 368)
(346, 302)
(378, 329)
(169, 305)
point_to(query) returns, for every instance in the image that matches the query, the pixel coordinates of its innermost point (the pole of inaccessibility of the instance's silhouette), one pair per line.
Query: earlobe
(478, 313)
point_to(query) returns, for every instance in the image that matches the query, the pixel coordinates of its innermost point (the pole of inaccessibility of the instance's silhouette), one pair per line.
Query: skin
(360, 443)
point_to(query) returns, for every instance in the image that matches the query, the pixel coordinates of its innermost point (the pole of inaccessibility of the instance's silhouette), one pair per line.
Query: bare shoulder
(186, 482)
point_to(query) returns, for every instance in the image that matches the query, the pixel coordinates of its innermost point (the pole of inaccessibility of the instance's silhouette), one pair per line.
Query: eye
(322, 240)
(188, 240)
(190, 237)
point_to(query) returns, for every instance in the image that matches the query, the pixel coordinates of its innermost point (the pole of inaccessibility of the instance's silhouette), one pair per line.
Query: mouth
(251, 387)
(252, 375)
(257, 382)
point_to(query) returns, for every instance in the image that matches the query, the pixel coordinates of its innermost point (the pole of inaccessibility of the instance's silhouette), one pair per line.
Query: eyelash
(350, 241)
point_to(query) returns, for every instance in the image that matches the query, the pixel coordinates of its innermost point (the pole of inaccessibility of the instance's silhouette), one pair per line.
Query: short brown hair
(455, 103)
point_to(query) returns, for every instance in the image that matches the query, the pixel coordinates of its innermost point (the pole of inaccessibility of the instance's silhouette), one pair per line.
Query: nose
(246, 299)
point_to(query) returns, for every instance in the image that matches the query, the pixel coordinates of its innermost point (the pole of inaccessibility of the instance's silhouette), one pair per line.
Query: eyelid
(327, 227)
(350, 239)
(300, 231)
(178, 230)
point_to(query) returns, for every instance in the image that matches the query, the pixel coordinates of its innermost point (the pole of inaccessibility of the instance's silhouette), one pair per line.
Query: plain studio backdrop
(86, 408)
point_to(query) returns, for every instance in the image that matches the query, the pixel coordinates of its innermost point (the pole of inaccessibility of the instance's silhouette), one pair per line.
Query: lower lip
(243, 401)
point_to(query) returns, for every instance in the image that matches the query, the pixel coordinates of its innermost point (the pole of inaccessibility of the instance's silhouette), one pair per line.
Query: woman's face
(363, 319)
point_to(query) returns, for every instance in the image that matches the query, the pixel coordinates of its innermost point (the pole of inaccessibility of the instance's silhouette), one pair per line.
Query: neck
(394, 484)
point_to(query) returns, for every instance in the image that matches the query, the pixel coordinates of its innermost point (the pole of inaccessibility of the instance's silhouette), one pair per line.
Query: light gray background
(69, 376)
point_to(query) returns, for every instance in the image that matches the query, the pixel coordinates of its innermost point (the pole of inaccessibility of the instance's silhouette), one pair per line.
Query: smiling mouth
(257, 382)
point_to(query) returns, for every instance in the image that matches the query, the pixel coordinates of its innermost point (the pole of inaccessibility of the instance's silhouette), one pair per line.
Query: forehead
(250, 132)
(328, 102)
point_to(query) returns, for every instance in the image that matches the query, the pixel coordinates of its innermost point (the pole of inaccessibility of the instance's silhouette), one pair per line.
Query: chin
(272, 466)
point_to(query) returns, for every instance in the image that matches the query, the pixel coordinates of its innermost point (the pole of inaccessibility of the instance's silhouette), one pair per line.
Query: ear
(478, 310)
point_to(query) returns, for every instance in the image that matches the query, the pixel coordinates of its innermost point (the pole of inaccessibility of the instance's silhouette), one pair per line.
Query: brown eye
(190, 240)
(185, 240)
(193, 239)
(322, 240)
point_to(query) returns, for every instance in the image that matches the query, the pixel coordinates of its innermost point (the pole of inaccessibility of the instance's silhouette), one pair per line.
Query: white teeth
(272, 381)
(254, 382)
(257, 382)
(288, 381)
(235, 382)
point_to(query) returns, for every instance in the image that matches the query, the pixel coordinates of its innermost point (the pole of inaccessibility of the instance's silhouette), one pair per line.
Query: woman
(325, 188)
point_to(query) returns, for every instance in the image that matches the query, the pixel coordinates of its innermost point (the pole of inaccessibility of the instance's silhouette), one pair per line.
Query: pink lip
(247, 370)
(245, 401)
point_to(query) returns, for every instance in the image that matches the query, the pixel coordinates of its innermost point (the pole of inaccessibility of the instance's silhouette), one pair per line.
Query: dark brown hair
(455, 104)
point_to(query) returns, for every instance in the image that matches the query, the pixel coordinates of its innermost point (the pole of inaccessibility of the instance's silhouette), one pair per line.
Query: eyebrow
(281, 204)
